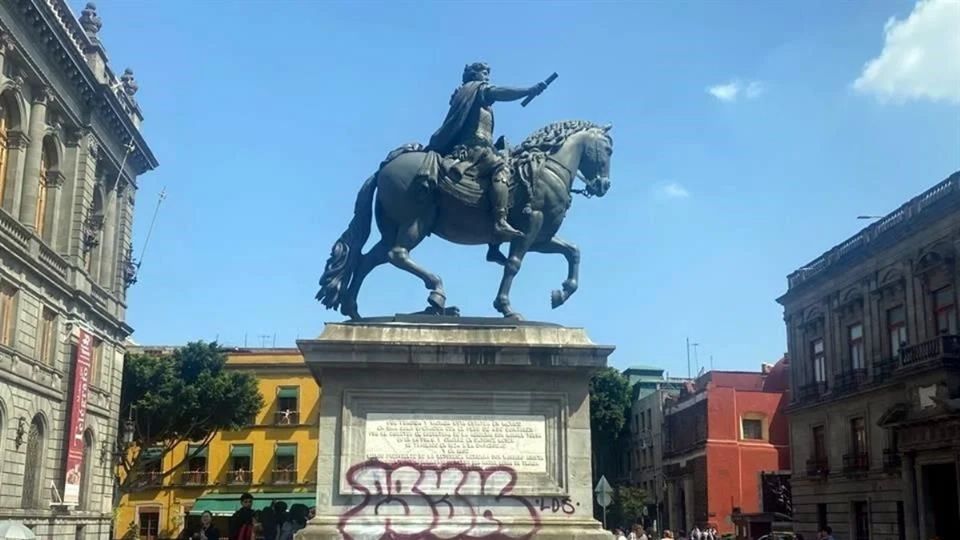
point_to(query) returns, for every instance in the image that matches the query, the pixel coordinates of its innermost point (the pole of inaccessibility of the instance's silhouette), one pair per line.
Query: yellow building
(274, 459)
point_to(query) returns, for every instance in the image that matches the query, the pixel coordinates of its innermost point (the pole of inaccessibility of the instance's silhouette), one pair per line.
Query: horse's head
(595, 160)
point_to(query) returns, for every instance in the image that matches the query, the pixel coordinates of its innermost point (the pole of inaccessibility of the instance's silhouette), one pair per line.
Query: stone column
(31, 173)
(108, 264)
(908, 489)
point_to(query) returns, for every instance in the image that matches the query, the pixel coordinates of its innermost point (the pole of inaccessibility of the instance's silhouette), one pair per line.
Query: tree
(186, 396)
(609, 406)
(628, 505)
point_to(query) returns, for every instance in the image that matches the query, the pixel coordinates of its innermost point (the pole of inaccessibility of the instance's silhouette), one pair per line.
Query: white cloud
(672, 190)
(920, 57)
(733, 90)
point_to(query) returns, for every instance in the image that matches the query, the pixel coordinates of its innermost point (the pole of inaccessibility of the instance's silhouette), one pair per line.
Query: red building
(726, 448)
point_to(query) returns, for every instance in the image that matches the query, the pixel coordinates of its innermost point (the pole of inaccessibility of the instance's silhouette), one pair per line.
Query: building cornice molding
(60, 34)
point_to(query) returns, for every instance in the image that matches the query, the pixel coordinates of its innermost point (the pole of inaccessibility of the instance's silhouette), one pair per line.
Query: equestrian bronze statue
(468, 189)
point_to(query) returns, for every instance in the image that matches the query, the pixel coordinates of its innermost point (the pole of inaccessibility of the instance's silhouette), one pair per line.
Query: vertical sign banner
(78, 420)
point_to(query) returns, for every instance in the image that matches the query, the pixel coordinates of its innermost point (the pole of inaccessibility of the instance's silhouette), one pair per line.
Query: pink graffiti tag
(411, 501)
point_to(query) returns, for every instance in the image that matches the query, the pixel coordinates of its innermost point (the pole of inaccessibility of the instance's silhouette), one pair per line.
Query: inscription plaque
(515, 441)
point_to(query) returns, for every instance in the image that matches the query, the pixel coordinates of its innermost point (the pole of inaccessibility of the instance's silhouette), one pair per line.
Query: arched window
(87, 483)
(33, 468)
(4, 126)
(48, 162)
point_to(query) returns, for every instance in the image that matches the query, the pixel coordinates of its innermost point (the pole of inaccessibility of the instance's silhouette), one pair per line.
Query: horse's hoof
(437, 300)
(556, 299)
(514, 316)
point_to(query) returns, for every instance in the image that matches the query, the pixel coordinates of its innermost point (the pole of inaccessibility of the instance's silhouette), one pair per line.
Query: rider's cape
(462, 104)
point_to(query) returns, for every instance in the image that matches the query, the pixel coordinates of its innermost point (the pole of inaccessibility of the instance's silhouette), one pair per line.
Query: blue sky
(743, 149)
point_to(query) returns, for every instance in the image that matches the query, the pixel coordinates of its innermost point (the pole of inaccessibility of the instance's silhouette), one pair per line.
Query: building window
(48, 337)
(196, 465)
(896, 329)
(901, 522)
(241, 459)
(818, 361)
(752, 428)
(288, 410)
(86, 481)
(39, 223)
(149, 523)
(945, 310)
(858, 436)
(33, 468)
(861, 521)
(8, 313)
(96, 361)
(821, 516)
(5, 123)
(819, 444)
(649, 419)
(642, 424)
(855, 347)
(285, 464)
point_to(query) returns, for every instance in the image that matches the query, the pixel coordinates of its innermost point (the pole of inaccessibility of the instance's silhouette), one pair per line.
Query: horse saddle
(458, 177)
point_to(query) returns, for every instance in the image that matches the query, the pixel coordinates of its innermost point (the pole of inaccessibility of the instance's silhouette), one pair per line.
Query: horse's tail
(345, 253)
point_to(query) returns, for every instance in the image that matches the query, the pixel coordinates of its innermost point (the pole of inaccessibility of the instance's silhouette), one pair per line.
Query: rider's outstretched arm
(506, 93)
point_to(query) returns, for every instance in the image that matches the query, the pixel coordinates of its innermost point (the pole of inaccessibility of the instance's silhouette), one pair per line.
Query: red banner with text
(78, 419)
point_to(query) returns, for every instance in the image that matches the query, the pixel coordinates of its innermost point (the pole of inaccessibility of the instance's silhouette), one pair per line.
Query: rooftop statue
(468, 189)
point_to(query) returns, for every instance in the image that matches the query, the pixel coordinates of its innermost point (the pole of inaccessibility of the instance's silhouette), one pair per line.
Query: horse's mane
(551, 136)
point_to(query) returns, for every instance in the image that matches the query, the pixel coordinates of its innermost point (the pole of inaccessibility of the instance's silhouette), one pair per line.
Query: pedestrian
(268, 523)
(312, 513)
(681, 534)
(826, 533)
(667, 534)
(244, 522)
(206, 530)
(296, 520)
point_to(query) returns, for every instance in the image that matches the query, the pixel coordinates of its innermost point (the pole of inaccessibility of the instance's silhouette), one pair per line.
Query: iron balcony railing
(150, 478)
(812, 391)
(238, 477)
(856, 462)
(937, 351)
(884, 369)
(891, 460)
(817, 467)
(286, 418)
(284, 476)
(194, 478)
(849, 381)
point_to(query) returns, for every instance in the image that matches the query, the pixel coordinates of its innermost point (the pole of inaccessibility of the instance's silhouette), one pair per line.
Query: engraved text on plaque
(516, 441)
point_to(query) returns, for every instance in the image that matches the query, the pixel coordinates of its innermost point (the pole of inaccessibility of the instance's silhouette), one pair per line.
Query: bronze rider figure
(467, 134)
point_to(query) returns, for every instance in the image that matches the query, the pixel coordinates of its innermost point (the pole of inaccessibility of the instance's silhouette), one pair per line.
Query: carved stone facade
(64, 134)
(872, 331)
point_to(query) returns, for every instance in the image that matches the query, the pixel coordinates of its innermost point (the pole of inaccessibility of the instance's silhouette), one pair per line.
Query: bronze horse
(544, 169)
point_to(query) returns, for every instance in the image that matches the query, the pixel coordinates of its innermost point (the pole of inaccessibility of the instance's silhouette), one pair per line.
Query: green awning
(151, 454)
(286, 450)
(241, 450)
(193, 448)
(288, 392)
(225, 504)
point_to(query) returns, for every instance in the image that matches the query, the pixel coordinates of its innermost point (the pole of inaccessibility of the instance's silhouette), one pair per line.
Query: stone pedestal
(440, 428)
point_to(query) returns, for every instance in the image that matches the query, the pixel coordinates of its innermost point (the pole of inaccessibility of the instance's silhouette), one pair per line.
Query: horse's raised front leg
(518, 248)
(572, 254)
(494, 255)
(409, 237)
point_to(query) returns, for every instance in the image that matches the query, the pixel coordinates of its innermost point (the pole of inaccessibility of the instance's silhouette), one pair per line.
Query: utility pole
(696, 358)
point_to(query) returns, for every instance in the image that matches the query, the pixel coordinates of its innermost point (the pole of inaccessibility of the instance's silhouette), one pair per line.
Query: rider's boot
(501, 227)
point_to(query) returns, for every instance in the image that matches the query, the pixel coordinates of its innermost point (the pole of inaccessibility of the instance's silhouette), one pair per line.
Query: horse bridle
(590, 183)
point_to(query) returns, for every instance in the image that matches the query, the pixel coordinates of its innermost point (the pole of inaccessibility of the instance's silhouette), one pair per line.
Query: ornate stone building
(70, 154)
(874, 421)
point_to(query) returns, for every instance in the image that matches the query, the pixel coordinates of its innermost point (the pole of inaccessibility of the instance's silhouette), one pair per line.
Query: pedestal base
(321, 528)
(438, 429)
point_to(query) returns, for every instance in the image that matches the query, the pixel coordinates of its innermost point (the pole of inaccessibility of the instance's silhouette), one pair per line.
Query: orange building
(726, 451)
